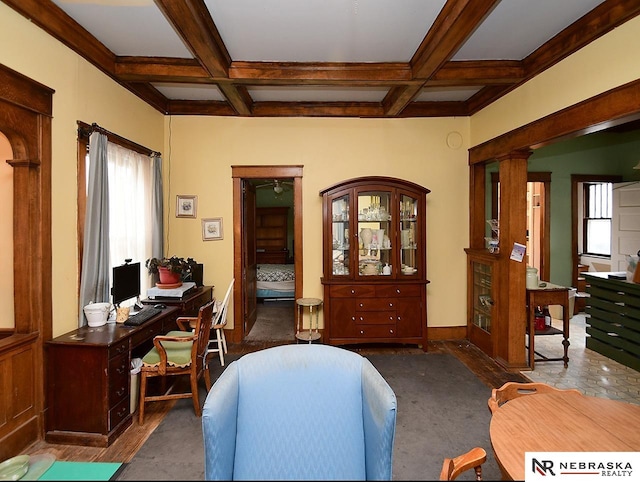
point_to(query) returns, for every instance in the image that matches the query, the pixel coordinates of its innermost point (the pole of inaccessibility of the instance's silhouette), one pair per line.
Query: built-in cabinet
(481, 289)
(374, 262)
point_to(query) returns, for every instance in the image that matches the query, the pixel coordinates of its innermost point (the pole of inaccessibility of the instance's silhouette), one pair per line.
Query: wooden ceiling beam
(602, 19)
(477, 73)
(317, 109)
(193, 24)
(454, 24)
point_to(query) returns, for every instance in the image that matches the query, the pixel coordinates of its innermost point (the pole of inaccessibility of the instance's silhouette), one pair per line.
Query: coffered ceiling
(334, 58)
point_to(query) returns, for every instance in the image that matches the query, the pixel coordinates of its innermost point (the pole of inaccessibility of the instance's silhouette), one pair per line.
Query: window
(130, 204)
(598, 202)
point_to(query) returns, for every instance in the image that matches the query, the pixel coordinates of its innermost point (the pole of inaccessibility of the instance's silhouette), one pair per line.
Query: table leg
(565, 331)
(532, 331)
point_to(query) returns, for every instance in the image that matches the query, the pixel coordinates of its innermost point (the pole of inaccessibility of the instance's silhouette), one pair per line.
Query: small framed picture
(211, 229)
(186, 206)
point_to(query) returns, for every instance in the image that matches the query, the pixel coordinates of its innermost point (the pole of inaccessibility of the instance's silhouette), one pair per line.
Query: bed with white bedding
(275, 281)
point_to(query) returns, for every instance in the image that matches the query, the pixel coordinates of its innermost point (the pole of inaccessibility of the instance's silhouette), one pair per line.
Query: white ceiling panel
(516, 28)
(127, 27)
(448, 94)
(323, 30)
(190, 91)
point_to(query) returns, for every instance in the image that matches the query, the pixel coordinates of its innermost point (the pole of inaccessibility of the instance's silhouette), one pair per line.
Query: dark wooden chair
(178, 353)
(511, 390)
(473, 459)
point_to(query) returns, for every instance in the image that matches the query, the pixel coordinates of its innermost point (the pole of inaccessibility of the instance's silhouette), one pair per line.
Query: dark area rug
(442, 412)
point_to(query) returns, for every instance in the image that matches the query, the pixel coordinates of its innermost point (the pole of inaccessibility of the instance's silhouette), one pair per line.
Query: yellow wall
(81, 93)
(203, 149)
(608, 62)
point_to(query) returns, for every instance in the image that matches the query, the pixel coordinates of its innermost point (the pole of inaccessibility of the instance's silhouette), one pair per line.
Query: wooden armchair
(178, 353)
(473, 459)
(511, 390)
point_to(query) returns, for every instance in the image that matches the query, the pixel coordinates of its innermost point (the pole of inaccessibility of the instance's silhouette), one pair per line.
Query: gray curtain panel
(157, 235)
(94, 282)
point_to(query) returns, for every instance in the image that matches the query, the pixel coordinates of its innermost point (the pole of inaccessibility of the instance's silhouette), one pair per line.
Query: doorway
(538, 252)
(245, 182)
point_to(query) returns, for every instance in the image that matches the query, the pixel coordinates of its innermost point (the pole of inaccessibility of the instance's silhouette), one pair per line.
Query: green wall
(599, 153)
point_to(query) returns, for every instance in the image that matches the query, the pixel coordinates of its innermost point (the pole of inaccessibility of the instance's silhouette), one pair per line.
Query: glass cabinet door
(374, 233)
(340, 235)
(408, 232)
(482, 300)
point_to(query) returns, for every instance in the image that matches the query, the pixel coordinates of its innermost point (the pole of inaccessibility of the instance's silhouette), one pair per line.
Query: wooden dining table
(561, 422)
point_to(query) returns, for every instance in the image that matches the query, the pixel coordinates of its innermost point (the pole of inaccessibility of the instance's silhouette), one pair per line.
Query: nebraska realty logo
(562, 466)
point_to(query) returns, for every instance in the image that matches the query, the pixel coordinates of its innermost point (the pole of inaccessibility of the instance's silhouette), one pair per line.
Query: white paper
(517, 253)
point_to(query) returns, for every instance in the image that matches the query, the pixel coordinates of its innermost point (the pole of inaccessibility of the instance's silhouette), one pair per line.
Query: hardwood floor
(125, 447)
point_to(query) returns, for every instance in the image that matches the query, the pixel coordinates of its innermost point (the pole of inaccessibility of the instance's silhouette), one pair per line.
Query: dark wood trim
(238, 174)
(614, 107)
(431, 64)
(25, 118)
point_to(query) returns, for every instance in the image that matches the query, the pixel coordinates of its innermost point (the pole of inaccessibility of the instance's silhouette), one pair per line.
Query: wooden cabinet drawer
(349, 291)
(118, 378)
(118, 349)
(375, 318)
(146, 333)
(398, 290)
(376, 331)
(375, 304)
(118, 413)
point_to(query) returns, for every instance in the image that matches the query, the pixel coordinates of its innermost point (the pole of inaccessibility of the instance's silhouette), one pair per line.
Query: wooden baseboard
(438, 333)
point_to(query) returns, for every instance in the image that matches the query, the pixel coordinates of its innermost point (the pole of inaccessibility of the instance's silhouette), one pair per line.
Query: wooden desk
(88, 379)
(561, 422)
(549, 295)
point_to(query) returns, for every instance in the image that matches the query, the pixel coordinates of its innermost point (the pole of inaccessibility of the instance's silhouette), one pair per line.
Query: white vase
(366, 235)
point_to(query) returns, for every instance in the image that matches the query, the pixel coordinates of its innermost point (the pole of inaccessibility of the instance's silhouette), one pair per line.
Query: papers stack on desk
(178, 292)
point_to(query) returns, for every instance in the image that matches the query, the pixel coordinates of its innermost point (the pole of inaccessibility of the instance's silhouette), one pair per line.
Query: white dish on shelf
(409, 270)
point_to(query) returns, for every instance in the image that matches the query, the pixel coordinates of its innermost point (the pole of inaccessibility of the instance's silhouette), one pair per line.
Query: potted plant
(171, 270)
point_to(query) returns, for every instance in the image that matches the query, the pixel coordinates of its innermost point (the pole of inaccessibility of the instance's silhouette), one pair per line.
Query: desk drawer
(147, 332)
(118, 413)
(119, 373)
(119, 348)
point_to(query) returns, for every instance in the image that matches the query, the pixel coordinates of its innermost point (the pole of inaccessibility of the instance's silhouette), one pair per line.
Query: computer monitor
(126, 282)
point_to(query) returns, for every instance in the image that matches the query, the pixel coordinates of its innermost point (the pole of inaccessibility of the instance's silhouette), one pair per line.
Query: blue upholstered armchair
(299, 412)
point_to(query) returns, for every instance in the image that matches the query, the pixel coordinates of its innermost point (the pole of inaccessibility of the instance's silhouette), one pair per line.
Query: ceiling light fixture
(277, 188)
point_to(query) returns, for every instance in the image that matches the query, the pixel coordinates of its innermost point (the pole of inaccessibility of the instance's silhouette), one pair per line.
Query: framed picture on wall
(211, 229)
(186, 206)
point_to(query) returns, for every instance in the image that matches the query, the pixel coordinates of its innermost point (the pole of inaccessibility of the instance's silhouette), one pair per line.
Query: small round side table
(314, 307)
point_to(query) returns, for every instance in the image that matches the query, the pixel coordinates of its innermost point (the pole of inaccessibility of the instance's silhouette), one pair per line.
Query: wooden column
(510, 328)
(477, 190)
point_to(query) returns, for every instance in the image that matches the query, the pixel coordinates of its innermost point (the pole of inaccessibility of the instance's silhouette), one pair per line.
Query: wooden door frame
(608, 109)
(25, 118)
(545, 179)
(239, 174)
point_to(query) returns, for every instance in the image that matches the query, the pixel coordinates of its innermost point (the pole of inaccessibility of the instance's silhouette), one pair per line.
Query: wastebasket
(136, 365)
(556, 310)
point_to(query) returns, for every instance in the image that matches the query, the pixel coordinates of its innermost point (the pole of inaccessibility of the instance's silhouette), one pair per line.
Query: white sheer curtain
(131, 210)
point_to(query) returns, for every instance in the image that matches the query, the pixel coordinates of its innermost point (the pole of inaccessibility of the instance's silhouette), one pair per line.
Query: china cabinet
(374, 262)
